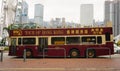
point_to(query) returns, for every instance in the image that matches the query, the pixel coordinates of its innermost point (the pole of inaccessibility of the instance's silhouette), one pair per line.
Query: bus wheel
(91, 53)
(28, 53)
(74, 53)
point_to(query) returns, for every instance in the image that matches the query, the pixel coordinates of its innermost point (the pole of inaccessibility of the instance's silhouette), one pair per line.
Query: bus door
(13, 46)
(43, 43)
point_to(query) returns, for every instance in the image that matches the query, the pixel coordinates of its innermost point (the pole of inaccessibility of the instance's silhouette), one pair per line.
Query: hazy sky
(70, 9)
(0, 7)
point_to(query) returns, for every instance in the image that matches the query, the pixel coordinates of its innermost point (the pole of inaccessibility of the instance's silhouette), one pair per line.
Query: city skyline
(67, 9)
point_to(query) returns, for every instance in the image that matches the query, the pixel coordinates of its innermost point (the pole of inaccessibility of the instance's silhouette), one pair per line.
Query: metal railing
(99, 49)
(57, 48)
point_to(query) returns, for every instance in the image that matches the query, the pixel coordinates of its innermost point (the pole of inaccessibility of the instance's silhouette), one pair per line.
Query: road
(103, 63)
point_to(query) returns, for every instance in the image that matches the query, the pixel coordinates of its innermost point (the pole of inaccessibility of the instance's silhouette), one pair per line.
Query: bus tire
(29, 53)
(91, 53)
(74, 53)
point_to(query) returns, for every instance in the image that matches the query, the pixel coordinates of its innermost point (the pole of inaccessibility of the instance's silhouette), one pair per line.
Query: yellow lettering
(38, 32)
(100, 33)
(92, 30)
(17, 32)
(26, 33)
(94, 33)
(58, 32)
(72, 31)
(96, 29)
(101, 30)
(77, 32)
(48, 32)
(86, 31)
(32, 32)
(68, 31)
(81, 31)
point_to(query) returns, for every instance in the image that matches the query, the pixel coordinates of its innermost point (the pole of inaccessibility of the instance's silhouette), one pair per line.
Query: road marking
(59, 69)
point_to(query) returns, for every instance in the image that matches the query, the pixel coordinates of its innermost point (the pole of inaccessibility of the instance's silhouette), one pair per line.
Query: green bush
(6, 48)
(118, 43)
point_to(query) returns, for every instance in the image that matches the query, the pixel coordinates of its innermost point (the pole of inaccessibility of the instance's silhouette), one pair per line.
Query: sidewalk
(60, 64)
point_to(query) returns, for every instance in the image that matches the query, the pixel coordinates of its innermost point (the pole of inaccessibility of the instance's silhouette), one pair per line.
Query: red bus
(71, 42)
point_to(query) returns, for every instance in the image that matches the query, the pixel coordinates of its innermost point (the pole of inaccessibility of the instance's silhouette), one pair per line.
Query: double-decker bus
(71, 42)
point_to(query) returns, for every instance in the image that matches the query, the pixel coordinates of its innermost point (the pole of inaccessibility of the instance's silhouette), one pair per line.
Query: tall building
(7, 15)
(21, 16)
(116, 17)
(38, 16)
(108, 11)
(25, 13)
(86, 14)
(112, 14)
(8, 11)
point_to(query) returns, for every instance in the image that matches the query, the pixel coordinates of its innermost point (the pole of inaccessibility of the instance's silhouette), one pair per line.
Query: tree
(8, 28)
(20, 26)
(118, 43)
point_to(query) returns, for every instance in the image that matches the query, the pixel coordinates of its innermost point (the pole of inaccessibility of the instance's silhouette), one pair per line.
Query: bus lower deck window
(99, 39)
(29, 41)
(73, 40)
(91, 40)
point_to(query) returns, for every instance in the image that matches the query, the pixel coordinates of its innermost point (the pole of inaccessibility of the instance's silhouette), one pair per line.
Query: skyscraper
(86, 14)
(38, 16)
(112, 14)
(21, 16)
(25, 12)
(116, 17)
(7, 15)
(108, 11)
